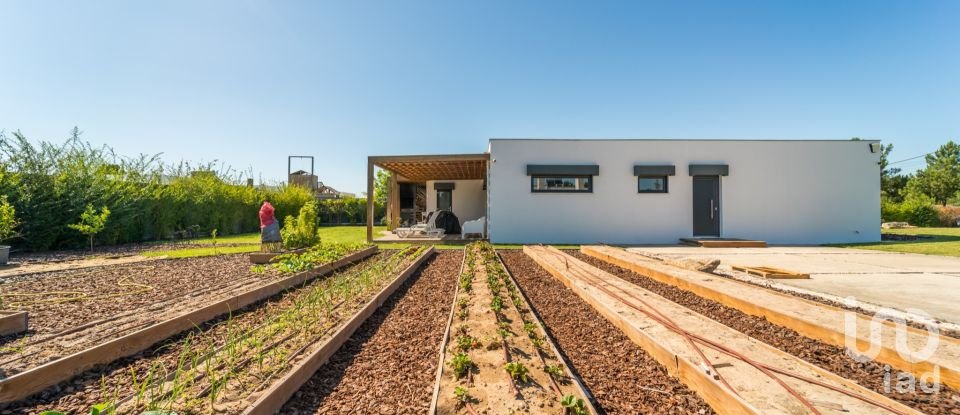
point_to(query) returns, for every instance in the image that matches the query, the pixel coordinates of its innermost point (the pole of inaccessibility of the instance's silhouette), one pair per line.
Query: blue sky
(249, 82)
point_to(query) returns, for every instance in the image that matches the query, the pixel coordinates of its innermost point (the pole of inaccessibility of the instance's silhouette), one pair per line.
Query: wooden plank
(370, 206)
(631, 309)
(272, 400)
(26, 383)
(809, 318)
(267, 257)
(771, 273)
(13, 322)
(723, 243)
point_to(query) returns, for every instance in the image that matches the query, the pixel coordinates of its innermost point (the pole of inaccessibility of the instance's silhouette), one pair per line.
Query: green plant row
(319, 254)
(241, 359)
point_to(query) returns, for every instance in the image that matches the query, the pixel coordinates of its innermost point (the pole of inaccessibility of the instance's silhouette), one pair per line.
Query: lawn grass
(203, 251)
(944, 241)
(345, 234)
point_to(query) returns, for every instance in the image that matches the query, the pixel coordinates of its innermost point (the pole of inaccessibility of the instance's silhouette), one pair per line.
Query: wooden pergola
(421, 168)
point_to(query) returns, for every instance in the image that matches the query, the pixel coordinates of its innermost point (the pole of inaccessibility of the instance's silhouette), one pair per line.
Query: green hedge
(49, 185)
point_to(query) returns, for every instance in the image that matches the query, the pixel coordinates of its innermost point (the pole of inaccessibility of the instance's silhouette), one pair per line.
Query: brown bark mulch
(829, 357)
(389, 365)
(621, 376)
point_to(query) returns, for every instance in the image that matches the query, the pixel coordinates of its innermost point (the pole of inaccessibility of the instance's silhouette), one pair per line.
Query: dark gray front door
(706, 205)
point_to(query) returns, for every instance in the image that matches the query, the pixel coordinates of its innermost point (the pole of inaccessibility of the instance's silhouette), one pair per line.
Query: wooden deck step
(809, 318)
(646, 318)
(723, 243)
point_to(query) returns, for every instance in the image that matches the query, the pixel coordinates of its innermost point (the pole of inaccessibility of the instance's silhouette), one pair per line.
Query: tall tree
(381, 189)
(941, 178)
(892, 182)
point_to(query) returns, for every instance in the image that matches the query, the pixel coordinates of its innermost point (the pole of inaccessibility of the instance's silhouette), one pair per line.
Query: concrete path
(906, 282)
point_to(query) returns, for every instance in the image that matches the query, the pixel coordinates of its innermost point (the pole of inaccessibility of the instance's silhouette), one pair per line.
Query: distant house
(647, 191)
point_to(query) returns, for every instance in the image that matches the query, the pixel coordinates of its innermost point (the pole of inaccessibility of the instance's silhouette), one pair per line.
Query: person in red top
(270, 239)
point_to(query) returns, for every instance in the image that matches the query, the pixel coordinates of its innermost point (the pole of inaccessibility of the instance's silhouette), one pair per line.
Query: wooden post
(369, 199)
(393, 202)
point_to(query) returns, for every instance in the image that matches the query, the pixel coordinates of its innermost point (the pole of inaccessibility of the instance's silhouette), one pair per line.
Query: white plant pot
(4, 254)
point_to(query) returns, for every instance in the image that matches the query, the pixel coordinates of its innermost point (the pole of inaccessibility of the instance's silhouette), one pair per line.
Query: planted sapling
(496, 304)
(460, 363)
(574, 405)
(462, 394)
(555, 371)
(517, 371)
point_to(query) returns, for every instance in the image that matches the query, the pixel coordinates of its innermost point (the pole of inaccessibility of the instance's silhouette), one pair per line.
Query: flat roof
(688, 139)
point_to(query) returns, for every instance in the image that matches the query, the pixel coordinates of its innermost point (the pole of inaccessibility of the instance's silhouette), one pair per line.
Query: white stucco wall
(469, 199)
(784, 192)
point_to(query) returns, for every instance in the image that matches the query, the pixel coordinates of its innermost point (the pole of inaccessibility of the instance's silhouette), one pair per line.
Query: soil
(619, 374)
(832, 358)
(110, 306)
(491, 389)
(10, 271)
(112, 382)
(389, 365)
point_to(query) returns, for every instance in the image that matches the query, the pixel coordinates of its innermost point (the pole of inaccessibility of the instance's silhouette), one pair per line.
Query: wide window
(561, 184)
(652, 184)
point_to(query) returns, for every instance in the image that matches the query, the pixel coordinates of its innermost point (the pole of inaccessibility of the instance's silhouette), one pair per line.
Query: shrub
(948, 215)
(301, 232)
(8, 219)
(916, 209)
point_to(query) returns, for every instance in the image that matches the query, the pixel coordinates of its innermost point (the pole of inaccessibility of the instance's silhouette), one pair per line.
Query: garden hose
(59, 297)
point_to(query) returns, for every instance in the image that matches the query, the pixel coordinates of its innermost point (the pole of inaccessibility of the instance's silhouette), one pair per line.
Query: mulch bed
(111, 381)
(832, 358)
(390, 363)
(169, 279)
(621, 376)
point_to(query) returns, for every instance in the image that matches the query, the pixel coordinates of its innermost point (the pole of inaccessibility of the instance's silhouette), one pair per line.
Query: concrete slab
(887, 279)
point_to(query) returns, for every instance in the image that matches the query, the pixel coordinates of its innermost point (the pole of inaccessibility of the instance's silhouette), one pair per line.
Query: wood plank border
(26, 383)
(671, 351)
(740, 299)
(715, 394)
(13, 322)
(272, 400)
(261, 258)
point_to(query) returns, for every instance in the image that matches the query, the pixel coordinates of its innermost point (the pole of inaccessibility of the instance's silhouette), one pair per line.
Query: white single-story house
(645, 191)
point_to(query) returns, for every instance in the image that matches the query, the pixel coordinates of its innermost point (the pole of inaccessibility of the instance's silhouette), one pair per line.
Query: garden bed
(12, 322)
(223, 366)
(622, 377)
(498, 358)
(41, 361)
(394, 353)
(832, 358)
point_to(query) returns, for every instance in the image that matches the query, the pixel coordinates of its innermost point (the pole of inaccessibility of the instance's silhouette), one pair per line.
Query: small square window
(652, 184)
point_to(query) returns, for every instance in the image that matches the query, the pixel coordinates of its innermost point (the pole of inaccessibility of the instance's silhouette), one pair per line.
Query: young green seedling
(517, 371)
(460, 363)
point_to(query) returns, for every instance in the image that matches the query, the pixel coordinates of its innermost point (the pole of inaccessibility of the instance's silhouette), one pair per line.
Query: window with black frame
(561, 184)
(652, 184)
(445, 200)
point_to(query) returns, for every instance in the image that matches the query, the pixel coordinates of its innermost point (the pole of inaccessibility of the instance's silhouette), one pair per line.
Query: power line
(911, 158)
